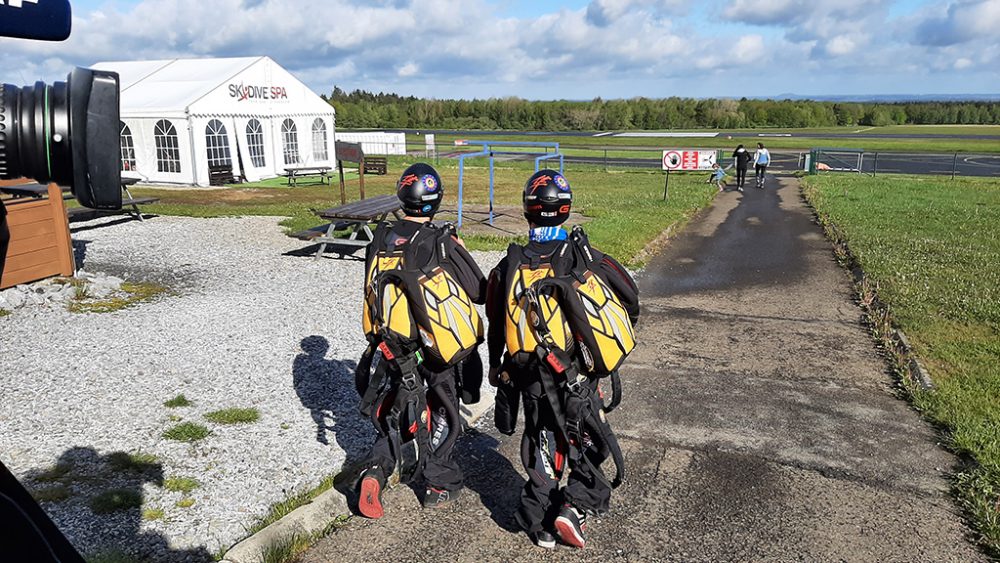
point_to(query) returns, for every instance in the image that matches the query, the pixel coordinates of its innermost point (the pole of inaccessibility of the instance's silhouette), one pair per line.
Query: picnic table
(293, 174)
(130, 204)
(355, 217)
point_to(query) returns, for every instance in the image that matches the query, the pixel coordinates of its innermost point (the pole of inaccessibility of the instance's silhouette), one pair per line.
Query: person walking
(741, 162)
(761, 159)
(415, 244)
(564, 424)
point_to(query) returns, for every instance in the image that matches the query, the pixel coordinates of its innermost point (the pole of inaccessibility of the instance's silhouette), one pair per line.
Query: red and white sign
(461, 142)
(688, 159)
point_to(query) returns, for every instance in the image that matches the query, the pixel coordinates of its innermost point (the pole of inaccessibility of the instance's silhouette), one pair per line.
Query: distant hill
(893, 98)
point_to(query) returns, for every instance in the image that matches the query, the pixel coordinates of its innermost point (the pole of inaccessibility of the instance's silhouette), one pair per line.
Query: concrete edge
(317, 516)
(917, 369)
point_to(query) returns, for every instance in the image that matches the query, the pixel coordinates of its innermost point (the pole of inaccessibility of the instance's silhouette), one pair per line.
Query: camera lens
(67, 133)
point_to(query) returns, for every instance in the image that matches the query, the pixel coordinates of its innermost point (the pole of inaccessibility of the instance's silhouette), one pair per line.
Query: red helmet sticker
(540, 181)
(408, 180)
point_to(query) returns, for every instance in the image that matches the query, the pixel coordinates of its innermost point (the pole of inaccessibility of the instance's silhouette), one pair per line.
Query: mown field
(627, 210)
(933, 245)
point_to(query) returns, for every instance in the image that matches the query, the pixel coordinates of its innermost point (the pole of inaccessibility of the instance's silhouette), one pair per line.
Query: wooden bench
(376, 165)
(221, 175)
(293, 174)
(355, 217)
(130, 205)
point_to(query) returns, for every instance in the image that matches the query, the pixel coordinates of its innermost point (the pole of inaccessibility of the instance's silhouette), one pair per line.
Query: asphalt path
(860, 134)
(758, 424)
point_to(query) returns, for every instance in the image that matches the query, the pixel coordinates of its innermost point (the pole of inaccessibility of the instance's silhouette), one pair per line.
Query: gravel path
(247, 326)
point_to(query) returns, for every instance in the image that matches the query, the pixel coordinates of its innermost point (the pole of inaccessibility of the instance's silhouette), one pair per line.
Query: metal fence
(858, 161)
(874, 163)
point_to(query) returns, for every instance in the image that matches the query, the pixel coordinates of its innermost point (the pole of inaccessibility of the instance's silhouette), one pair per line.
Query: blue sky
(550, 49)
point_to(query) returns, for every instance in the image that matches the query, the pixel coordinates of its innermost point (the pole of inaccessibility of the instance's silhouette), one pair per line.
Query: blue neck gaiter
(545, 234)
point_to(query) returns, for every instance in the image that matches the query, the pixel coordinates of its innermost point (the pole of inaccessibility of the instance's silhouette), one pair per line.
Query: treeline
(364, 109)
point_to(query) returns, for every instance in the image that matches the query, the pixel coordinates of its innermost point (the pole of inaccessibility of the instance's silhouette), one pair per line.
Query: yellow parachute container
(518, 330)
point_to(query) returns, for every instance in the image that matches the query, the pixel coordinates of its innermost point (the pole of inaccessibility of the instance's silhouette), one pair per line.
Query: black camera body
(67, 132)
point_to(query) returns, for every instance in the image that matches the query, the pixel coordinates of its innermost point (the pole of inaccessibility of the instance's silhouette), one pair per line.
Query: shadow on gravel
(80, 251)
(492, 476)
(326, 388)
(97, 215)
(98, 503)
(333, 251)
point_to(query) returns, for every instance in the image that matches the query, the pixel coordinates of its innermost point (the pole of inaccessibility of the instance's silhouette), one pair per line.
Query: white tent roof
(178, 87)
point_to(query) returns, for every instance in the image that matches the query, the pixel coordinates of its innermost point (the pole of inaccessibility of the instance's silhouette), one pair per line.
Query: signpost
(351, 152)
(686, 160)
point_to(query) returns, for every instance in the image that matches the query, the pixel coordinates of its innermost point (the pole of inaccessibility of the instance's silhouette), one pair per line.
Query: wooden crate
(40, 244)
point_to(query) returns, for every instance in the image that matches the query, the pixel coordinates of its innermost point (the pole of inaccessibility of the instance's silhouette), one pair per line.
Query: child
(718, 176)
(548, 447)
(420, 192)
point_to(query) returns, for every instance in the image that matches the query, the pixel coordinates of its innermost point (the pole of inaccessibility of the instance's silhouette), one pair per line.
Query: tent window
(168, 152)
(217, 142)
(290, 138)
(255, 142)
(319, 139)
(128, 148)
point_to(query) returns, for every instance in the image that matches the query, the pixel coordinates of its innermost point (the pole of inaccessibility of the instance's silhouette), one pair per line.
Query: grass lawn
(933, 245)
(751, 138)
(619, 202)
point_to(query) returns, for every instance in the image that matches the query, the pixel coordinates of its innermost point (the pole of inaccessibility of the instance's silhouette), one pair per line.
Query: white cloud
(964, 21)
(765, 11)
(445, 48)
(962, 63)
(409, 69)
(841, 45)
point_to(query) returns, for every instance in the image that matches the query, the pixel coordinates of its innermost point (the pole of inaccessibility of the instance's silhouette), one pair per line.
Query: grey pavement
(759, 423)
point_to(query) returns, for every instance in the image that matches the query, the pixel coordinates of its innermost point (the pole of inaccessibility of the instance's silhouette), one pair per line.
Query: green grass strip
(933, 247)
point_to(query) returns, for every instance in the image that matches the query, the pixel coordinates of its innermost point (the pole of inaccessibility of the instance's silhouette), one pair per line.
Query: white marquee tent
(249, 115)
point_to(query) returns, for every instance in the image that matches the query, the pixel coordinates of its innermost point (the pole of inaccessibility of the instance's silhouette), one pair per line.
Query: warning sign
(688, 159)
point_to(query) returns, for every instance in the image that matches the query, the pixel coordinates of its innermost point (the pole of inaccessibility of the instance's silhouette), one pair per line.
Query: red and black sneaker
(436, 498)
(570, 525)
(370, 494)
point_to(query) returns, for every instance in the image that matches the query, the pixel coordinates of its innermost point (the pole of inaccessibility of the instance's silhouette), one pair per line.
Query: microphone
(47, 20)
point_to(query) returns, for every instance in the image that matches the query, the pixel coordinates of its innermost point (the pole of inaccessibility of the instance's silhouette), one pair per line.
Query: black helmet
(547, 199)
(420, 191)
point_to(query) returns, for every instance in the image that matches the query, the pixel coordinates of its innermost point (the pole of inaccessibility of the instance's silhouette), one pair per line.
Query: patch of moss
(57, 493)
(151, 514)
(136, 461)
(54, 473)
(135, 293)
(186, 502)
(233, 416)
(181, 484)
(115, 500)
(178, 401)
(187, 432)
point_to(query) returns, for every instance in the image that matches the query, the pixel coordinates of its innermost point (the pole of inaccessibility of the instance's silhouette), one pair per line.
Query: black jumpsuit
(441, 470)
(542, 452)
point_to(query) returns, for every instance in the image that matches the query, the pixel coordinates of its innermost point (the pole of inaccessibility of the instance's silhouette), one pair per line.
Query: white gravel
(77, 387)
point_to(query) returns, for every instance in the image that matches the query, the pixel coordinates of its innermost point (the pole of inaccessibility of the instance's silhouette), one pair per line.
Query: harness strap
(616, 392)
(574, 404)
